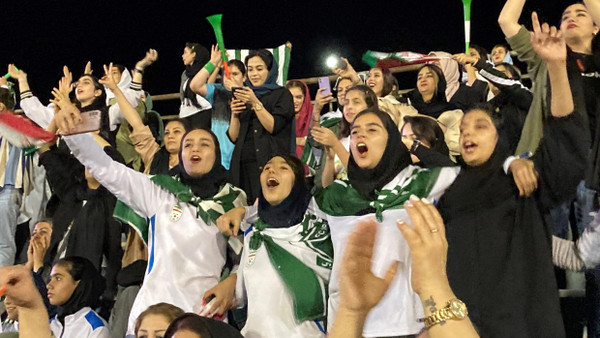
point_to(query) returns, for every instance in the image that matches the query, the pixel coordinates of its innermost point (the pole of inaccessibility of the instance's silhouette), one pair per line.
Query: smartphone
(324, 83)
(234, 89)
(90, 121)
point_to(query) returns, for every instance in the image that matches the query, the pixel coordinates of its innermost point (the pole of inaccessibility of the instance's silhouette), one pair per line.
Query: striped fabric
(281, 55)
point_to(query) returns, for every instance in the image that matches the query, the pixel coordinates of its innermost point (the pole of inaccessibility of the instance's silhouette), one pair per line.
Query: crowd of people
(447, 211)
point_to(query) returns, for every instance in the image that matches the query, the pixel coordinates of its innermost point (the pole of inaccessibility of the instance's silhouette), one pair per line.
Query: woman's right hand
(348, 72)
(229, 222)
(215, 56)
(324, 136)
(107, 79)
(465, 59)
(237, 106)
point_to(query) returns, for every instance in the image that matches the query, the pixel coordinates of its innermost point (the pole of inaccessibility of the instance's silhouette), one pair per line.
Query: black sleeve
(282, 111)
(561, 158)
(468, 96)
(64, 173)
(432, 159)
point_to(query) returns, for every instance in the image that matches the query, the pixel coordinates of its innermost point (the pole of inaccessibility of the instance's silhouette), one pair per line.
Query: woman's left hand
(247, 95)
(224, 296)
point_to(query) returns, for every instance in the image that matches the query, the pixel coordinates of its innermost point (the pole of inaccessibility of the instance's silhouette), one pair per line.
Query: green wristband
(210, 67)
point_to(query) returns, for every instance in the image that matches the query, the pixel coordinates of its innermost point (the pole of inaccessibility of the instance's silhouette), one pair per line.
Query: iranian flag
(389, 60)
(21, 132)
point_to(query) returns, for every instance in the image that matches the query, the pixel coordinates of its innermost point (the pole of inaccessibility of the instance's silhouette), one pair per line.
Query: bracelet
(137, 70)
(210, 67)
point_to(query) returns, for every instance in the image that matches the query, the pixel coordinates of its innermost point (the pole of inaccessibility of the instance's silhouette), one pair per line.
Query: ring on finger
(434, 230)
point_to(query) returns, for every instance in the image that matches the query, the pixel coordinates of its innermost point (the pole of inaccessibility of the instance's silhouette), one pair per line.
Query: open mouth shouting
(272, 182)
(469, 147)
(362, 148)
(195, 159)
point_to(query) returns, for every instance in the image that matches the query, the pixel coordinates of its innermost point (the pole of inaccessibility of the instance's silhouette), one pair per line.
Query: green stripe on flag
(238, 54)
(286, 62)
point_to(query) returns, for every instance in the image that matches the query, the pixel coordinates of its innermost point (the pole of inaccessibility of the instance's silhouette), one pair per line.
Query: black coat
(499, 244)
(280, 104)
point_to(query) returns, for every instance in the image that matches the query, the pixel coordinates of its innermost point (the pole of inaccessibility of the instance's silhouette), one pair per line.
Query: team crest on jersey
(251, 257)
(176, 213)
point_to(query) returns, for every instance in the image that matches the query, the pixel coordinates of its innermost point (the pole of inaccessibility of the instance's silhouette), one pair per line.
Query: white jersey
(399, 311)
(270, 306)
(188, 109)
(84, 323)
(186, 255)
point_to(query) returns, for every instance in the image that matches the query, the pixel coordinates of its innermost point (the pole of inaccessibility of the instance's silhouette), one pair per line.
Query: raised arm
(140, 66)
(509, 17)
(550, 45)
(198, 83)
(129, 112)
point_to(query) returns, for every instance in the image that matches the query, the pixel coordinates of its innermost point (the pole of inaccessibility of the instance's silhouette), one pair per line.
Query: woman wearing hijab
(303, 109)
(499, 256)
(194, 107)
(380, 180)
(424, 139)
(462, 95)
(75, 286)
(173, 213)
(287, 255)
(262, 116)
(430, 99)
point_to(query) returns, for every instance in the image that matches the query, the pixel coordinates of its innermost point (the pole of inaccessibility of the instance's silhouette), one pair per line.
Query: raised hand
(324, 136)
(348, 72)
(66, 116)
(548, 42)
(321, 100)
(88, 68)
(65, 83)
(107, 79)
(428, 246)
(18, 75)
(215, 56)
(150, 58)
(360, 289)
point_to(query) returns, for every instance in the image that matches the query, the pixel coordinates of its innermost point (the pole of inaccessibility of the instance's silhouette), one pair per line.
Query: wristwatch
(455, 309)
(258, 106)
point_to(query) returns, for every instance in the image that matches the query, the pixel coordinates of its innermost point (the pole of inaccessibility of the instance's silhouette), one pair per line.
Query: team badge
(176, 213)
(251, 257)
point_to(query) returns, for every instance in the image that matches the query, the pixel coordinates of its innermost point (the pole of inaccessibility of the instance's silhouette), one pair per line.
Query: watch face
(458, 309)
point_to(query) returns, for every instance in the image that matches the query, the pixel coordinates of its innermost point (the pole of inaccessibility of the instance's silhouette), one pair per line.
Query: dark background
(42, 36)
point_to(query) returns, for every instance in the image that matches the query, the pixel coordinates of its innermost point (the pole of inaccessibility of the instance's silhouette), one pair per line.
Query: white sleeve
(115, 116)
(37, 112)
(131, 187)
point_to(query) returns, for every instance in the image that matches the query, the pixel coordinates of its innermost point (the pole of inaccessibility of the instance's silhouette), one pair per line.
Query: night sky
(40, 37)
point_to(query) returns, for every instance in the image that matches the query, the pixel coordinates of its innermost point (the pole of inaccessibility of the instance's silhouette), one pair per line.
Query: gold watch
(258, 106)
(455, 309)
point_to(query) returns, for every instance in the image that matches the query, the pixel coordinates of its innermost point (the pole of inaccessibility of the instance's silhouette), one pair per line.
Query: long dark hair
(428, 129)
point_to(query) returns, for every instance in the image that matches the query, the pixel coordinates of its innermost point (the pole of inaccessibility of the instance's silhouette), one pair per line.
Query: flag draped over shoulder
(209, 209)
(299, 271)
(308, 156)
(341, 199)
(389, 60)
(281, 55)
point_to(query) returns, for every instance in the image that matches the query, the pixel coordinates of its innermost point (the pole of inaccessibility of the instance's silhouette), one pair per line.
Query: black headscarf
(88, 291)
(394, 159)
(438, 103)
(488, 181)
(291, 210)
(208, 184)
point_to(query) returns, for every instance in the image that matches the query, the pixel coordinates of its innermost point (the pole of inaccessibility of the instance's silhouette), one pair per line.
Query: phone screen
(324, 83)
